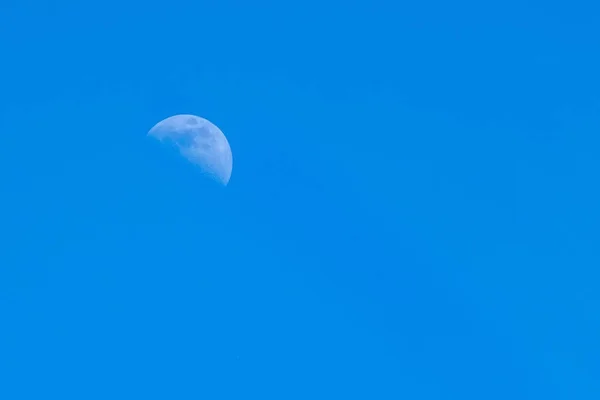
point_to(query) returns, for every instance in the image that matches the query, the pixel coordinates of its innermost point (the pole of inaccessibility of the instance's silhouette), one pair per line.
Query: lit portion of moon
(200, 142)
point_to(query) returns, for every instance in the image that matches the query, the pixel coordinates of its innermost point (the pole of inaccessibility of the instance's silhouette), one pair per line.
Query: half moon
(200, 141)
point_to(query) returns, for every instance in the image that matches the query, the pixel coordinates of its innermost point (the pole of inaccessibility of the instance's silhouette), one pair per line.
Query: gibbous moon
(200, 141)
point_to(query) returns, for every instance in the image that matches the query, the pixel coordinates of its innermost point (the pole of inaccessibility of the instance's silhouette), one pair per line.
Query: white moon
(200, 141)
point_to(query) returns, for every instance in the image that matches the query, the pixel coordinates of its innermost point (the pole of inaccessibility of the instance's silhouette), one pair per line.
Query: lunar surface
(200, 141)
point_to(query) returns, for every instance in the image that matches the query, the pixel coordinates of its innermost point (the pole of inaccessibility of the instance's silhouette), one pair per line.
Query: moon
(200, 142)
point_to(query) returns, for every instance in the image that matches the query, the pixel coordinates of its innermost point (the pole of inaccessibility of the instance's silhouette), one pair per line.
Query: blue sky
(412, 214)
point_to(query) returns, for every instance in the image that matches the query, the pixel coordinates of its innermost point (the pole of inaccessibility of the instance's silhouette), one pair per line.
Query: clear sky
(413, 210)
